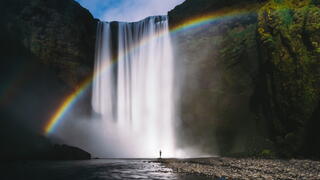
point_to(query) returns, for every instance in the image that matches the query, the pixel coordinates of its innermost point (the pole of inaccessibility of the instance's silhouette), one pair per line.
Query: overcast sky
(128, 10)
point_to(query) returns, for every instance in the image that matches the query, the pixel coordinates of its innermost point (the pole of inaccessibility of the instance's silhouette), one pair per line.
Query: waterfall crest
(133, 87)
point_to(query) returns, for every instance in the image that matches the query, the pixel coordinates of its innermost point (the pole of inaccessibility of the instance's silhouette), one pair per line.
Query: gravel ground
(236, 168)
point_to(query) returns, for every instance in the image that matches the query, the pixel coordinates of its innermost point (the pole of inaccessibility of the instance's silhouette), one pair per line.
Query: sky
(128, 10)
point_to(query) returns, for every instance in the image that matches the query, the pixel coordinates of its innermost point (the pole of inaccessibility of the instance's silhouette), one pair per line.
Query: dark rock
(194, 8)
(218, 62)
(29, 146)
(252, 80)
(65, 152)
(46, 49)
(60, 34)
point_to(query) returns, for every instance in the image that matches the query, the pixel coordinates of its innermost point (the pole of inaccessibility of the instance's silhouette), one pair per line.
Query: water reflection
(94, 169)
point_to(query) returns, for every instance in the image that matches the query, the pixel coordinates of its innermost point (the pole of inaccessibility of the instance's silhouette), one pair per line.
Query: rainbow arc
(190, 24)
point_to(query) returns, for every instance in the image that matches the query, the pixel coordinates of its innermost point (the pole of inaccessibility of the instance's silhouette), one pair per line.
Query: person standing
(160, 154)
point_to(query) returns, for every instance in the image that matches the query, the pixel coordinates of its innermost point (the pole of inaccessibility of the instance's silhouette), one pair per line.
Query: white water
(133, 91)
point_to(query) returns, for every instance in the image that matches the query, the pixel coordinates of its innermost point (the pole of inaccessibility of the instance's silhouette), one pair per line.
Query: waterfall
(133, 87)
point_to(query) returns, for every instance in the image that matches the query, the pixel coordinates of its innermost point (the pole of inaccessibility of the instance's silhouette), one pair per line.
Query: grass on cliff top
(279, 4)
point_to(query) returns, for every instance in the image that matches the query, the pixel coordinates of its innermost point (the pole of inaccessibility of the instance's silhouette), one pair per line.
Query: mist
(214, 103)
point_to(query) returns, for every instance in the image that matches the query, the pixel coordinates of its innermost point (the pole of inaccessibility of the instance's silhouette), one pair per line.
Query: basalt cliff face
(191, 8)
(59, 34)
(217, 63)
(47, 49)
(250, 82)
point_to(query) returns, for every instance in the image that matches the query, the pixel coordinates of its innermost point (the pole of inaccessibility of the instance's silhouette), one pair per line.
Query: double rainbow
(70, 100)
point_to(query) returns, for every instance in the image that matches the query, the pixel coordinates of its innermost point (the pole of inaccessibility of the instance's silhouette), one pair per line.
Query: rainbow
(66, 105)
(8, 89)
(220, 15)
(70, 100)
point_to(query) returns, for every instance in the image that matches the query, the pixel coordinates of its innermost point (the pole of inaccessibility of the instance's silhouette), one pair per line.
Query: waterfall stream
(133, 87)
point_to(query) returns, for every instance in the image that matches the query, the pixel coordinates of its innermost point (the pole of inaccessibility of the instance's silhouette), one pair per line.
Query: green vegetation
(289, 32)
(60, 35)
(261, 79)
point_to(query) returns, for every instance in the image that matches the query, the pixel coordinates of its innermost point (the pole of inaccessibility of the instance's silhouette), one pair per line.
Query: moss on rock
(288, 33)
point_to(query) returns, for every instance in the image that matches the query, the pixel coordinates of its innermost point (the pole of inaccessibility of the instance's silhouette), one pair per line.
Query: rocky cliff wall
(289, 37)
(47, 49)
(251, 82)
(60, 34)
(217, 64)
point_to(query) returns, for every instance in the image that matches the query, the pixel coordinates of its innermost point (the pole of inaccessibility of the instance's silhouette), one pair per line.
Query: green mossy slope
(253, 81)
(289, 36)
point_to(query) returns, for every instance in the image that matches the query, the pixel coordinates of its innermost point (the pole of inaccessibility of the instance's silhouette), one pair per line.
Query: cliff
(59, 34)
(289, 37)
(191, 8)
(251, 81)
(47, 49)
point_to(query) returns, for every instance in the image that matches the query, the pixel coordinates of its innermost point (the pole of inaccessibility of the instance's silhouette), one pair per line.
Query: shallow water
(103, 169)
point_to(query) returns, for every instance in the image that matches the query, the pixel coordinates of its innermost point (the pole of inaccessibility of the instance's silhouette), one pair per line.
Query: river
(100, 169)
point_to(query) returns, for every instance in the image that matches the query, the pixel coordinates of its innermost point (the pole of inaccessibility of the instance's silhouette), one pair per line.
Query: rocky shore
(246, 168)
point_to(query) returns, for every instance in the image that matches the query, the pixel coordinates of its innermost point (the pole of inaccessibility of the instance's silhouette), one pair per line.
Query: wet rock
(232, 168)
(65, 152)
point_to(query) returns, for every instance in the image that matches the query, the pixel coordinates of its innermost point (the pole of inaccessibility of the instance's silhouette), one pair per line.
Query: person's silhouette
(160, 154)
